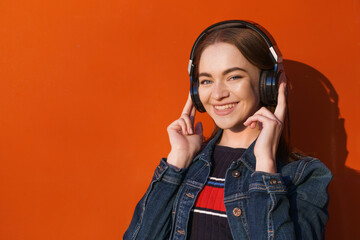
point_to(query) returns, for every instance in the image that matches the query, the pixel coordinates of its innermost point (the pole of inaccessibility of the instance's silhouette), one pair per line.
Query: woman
(244, 183)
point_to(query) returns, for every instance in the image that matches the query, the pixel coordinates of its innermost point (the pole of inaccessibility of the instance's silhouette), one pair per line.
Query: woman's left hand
(271, 126)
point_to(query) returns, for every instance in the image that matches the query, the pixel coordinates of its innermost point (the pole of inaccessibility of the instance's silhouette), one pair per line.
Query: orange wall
(88, 87)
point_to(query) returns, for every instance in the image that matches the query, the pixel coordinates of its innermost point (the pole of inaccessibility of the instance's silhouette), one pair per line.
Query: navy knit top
(208, 218)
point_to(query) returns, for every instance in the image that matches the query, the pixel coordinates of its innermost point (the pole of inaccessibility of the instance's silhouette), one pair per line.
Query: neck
(239, 139)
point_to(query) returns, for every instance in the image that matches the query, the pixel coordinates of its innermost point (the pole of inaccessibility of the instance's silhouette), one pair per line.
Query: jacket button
(190, 195)
(237, 212)
(235, 173)
(182, 232)
(273, 181)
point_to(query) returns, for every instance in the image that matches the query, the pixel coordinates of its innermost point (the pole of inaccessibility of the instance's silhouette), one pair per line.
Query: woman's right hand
(184, 140)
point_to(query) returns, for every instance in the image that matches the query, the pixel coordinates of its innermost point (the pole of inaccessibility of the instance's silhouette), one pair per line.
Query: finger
(260, 118)
(188, 122)
(175, 126)
(188, 106)
(199, 129)
(280, 110)
(182, 124)
(251, 123)
(257, 118)
(265, 112)
(192, 115)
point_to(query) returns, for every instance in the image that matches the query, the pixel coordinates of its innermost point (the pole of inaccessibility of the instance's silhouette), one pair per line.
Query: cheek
(246, 91)
(203, 94)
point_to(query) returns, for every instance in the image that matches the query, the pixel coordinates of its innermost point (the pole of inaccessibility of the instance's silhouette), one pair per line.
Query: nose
(220, 91)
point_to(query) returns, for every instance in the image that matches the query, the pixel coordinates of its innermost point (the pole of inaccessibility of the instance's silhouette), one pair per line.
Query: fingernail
(190, 131)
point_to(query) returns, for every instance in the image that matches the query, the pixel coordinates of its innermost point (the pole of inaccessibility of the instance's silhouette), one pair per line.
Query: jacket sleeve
(287, 205)
(152, 216)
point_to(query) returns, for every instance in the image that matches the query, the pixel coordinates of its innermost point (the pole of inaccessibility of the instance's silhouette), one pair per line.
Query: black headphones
(269, 79)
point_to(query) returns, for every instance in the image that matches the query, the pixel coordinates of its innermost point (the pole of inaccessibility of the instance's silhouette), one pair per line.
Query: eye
(205, 82)
(235, 77)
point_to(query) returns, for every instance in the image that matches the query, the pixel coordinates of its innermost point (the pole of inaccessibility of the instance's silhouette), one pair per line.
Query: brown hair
(256, 51)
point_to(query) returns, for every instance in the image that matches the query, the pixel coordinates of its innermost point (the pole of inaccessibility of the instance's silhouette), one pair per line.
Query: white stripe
(217, 179)
(272, 50)
(189, 66)
(209, 213)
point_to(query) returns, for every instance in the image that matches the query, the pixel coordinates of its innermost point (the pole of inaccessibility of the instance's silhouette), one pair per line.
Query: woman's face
(228, 85)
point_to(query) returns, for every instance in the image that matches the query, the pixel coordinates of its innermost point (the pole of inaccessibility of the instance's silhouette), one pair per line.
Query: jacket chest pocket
(236, 211)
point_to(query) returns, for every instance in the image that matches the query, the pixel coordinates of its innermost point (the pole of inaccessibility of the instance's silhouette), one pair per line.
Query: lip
(225, 111)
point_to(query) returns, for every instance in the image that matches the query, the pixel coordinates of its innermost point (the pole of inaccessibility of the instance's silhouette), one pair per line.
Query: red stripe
(211, 198)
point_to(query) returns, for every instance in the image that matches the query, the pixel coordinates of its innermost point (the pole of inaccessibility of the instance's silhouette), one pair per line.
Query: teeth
(227, 106)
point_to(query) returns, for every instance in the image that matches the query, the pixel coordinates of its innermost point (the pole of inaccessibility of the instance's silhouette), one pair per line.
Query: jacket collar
(248, 158)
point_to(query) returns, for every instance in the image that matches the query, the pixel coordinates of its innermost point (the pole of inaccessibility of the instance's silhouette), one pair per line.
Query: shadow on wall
(318, 130)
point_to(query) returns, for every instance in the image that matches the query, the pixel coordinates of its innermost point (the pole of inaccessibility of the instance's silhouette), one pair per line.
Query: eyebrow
(224, 72)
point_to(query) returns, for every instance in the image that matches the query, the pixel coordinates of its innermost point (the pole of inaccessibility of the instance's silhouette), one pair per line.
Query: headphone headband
(237, 24)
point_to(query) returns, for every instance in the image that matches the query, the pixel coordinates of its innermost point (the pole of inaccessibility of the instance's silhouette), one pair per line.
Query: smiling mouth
(225, 106)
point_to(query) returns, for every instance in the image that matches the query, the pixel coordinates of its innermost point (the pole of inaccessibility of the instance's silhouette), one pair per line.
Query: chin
(235, 126)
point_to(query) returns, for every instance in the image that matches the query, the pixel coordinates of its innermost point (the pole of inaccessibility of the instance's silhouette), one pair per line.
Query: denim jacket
(290, 204)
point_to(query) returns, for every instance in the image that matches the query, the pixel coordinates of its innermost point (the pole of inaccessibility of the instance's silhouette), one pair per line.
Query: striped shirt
(208, 218)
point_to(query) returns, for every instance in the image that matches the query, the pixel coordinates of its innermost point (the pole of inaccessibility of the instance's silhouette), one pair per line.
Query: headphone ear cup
(194, 93)
(268, 87)
(262, 88)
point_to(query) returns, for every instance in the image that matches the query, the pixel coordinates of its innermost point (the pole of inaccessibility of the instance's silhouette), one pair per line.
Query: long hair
(254, 48)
